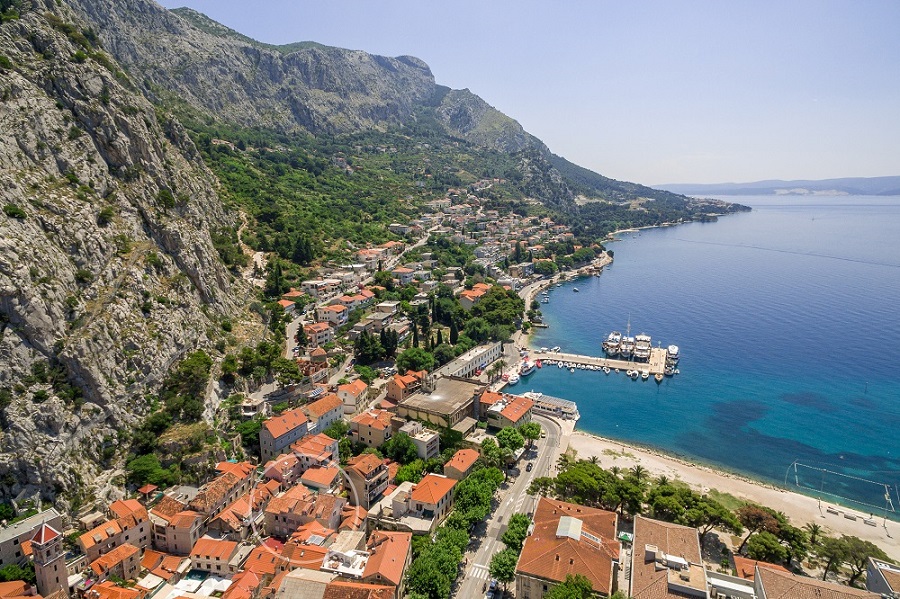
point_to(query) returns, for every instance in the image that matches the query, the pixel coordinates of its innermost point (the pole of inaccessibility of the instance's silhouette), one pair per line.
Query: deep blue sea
(788, 321)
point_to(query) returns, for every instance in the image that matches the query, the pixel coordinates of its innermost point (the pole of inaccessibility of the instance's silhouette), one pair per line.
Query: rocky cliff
(107, 271)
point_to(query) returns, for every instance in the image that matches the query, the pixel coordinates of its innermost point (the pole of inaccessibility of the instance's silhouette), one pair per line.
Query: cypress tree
(454, 332)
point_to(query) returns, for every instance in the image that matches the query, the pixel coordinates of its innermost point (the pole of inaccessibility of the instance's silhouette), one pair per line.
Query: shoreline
(800, 508)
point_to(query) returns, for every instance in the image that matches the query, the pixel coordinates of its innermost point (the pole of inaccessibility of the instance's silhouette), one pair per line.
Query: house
(353, 395)
(390, 554)
(883, 578)
(215, 556)
(403, 275)
(505, 410)
(234, 523)
(448, 403)
(367, 477)
(665, 561)
(122, 562)
(288, 306)
(286, 469)
(176, 533)
(415, 508)
(401, 386)
(298, 506)
(110, 590)
(377, 322)
(277, 433)
(170, 568)
(427, 441)
(131, 525)
(746, 567)
(388, 307)
(14, 535)
(318, 333)
(461, 464)
(336, 315)
(469, 297)
(323, 412)
(477, 358)
(233, 480)
(322, 480)
(316, 451)
(774, 584)
(372, 428)
(432, 497)
(345, 589)
(568, 539)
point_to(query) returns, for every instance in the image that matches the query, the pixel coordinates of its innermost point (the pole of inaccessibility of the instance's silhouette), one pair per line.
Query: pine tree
(454, 332)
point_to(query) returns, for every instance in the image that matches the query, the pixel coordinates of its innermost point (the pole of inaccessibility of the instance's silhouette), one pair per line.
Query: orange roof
(354, 388)
(14, 588)
(388, 553)
(301, 555)
(322, 406)
(98, 534)
(213, 548)
(319, 446)
(786, 585)
(337, 308)
(262, 560)
(340, 589)
(167, 507)
(305, 531)
(292, 293)
(481, 287)
(282, 463)
(118, 555)
(403, 270)
(377, 419)
(109, 590)
(317, 352)
(243, 585)
(151, 559)
(547, 554)
(185, 519)
(489, 398)
(517, 408)
(128, 507)
(147, 489)
(214, 492)
(364, 464)
(323, 477)
(44, 534)
(26, 549)
(285, 303)
(279, 426)
(746, 567)
(432, 488)
(463, 459)
(239, 469)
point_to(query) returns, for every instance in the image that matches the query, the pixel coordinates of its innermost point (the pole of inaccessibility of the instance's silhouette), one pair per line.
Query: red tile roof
(206, 548)
(463, 459)
(388, 553)
(517, 408)
(340, 589)
(44, 534)
(746, 567)
(128, 507)
(355, 388)
(377, 419)
(118, 555)
(279, 426)
(364, 464)
(432, 488)
(322, 477)
(550, 556)
(322, 406)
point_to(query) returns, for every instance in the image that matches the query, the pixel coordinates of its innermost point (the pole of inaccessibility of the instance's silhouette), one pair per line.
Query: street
(512, 498)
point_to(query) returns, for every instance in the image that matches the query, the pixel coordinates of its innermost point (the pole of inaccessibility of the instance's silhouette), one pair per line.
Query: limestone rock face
(108, 274)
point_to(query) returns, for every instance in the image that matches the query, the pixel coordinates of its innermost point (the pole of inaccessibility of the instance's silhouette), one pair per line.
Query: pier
(656, 364)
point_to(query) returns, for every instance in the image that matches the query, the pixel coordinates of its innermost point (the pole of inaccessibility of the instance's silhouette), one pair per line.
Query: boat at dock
(513, 379)
(527, 368)
(645, 375)
(611, 345)
(672, 355)
(626, 347)
(642, 346)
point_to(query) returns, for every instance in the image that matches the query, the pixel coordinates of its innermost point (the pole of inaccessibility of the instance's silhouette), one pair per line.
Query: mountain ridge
(888, 186)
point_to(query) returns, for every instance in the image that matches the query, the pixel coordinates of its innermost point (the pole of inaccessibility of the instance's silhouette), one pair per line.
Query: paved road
(513, 499)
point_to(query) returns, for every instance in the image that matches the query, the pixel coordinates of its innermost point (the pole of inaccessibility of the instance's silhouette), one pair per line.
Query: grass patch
(726, 499)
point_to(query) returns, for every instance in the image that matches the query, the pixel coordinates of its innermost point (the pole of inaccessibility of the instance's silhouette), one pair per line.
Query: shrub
(106, 215)
(5, 63)
(14, 211)
(83, 276)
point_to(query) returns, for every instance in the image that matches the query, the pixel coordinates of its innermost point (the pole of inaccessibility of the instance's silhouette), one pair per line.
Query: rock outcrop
(107, 271)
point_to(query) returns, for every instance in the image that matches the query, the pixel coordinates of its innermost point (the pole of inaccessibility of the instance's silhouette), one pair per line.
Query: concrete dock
(656, 365)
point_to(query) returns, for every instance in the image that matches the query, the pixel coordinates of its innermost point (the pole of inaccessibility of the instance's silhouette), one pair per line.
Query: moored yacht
(527, 368)
(626, 347)
(672, 354)
(611, 345)
(513, 379)
(642, 346)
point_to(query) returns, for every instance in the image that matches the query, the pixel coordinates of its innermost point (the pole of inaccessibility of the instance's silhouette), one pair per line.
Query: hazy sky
(653, 92)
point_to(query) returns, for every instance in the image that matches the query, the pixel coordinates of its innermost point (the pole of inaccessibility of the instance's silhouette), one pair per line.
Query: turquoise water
(787, 322)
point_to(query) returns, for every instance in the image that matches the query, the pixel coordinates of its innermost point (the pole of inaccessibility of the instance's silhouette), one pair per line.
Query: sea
(788, 323)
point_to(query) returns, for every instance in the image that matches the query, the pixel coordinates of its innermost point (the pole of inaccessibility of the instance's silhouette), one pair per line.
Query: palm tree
(616, 471)
(662, 480)
(814, 531)
(594, 460)
(639, 473)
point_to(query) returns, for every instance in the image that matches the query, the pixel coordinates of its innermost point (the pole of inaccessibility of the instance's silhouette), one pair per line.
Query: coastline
(800, 508)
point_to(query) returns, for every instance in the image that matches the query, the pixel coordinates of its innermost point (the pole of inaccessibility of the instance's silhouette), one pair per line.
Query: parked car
(529, 467)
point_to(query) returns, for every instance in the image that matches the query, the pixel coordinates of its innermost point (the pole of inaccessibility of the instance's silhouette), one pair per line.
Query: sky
(647, 91)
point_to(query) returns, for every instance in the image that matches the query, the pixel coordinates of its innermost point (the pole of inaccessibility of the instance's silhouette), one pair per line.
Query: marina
(656, 364)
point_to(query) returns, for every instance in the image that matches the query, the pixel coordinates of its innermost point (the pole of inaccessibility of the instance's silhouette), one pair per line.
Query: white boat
(513, 379)
(642, 346)
(571, 370)
(672, 354)
(559, 364)
(626, 348)
(670, 370)
(606, 370)
(554, 349)
(645, 375)
(611, 345)
(575, 289)
(633, 374)
(527, 368)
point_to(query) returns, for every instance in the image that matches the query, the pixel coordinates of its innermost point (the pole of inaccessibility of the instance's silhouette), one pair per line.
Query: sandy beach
(799, 508)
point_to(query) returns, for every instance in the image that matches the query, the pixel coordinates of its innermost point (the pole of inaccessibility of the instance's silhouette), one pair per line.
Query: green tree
(367, 349)
(337, 429)
(531, 432)
(510, 438)
(400, 448)
(389, 341)
(573, 587)
(766, 547)
(147, 469)
(834, 552)
(454, 332)
(490, 453)
(416, 359)
(11, 572)
(516, 531)
(503, 566)
(756, 518)
(858, 554)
